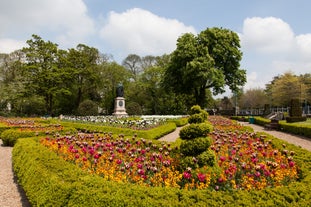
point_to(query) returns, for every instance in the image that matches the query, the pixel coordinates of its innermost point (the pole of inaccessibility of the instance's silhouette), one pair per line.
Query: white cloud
(267, 35)
(304, 46)
(141, 32)
(10, 45)
(272, 48)
(66, 20)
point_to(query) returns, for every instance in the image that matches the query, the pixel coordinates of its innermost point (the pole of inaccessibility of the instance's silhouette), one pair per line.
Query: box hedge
(50, 181)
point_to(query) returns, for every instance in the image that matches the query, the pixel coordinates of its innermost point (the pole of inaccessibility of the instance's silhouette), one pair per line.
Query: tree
(11, 88)
(83, 62)
(285, 87)
(253, 98)
(208, 61)
(133, 63)
(111, 74)
(41, 73)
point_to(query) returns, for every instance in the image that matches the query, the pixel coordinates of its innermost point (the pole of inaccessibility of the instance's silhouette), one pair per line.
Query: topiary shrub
(186, 162)
(196, 109)
(195, 146)
(196, 118)
(207, 157)
(195, 130)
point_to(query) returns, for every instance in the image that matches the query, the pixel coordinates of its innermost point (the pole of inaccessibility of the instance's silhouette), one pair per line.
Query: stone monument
(119, 106)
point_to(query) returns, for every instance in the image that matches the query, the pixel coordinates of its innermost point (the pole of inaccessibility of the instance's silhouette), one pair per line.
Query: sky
(275, 35)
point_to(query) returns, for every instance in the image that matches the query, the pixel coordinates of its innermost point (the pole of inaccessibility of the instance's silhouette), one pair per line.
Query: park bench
(274, 124)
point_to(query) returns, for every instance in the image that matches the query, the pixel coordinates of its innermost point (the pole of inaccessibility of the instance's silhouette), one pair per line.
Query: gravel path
(171, 137)
(300, 141)
(11, 194)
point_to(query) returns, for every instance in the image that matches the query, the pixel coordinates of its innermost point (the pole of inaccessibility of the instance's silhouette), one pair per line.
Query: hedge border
(45, 177)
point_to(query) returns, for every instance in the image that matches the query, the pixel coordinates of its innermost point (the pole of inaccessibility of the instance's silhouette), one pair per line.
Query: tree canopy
(208, 61)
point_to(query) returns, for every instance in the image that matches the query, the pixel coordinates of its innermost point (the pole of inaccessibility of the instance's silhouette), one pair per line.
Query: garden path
(300, 141)
(171, 137)
(11, 194)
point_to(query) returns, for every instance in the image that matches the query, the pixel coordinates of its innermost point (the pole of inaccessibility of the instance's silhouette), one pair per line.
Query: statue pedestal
(119, 107)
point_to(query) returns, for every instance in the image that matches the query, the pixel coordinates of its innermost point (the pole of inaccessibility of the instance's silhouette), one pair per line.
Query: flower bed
(246, 161)
(45, 176)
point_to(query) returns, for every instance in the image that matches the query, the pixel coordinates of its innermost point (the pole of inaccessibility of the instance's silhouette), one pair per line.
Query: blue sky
(275, 34)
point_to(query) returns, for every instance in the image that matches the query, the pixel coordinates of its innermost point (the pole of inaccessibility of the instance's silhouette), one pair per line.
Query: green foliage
(195, 146)
(195, 130)
(207, 157)
(187, 161)
(295, 108)
(209, 60)
(179, 122)
(10, 136)
(153, 133)
(44, 176)
(196, 118)
(293, 119)
(196, 109)
(298, 128)
(88, 108)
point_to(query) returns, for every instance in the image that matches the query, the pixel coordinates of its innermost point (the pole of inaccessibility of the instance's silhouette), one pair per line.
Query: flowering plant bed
(246, 161)
(45, 176)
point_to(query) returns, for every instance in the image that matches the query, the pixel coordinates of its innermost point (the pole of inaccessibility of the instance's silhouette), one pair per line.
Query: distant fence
(260, 111)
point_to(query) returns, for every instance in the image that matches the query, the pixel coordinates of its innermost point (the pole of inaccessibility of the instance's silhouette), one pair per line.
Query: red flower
(201, 177)
(187, 175)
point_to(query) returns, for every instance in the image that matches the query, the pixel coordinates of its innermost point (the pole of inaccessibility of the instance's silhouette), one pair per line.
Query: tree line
(42, 79)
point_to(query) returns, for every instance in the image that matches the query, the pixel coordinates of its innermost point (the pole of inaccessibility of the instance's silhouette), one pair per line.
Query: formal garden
(214, 162)
(76, 144)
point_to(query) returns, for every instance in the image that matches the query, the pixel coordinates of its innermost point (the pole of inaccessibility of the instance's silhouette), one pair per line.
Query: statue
(120, 90)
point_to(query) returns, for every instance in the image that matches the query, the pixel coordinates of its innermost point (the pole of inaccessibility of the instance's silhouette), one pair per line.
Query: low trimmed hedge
(153, 133)
(50, 181)
(10, 136)
(298, 128)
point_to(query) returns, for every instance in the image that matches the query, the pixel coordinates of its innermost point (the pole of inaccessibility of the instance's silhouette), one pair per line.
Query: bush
(207, 157)
(88, 108)
(293, 119)
(195, 130)
(10, 136)
(195, 146)
(196, 109)
(196, 118)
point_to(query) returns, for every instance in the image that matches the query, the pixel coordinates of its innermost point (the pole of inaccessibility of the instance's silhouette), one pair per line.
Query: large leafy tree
(11, 88)
(253, 98)
(208, 61)
(83, 62)
(285, 87)
(41, 75)
(111, 74)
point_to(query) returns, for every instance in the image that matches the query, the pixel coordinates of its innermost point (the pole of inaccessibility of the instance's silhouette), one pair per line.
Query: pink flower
(119, 162)
(291, 164)
(187, 175)
(201, 177)
(222, 158)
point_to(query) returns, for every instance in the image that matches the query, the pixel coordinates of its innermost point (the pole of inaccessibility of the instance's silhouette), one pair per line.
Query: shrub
(195, 130)
(195, 146)
(88, 108)
(196, 109)
(207, 157)
(196, 118)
